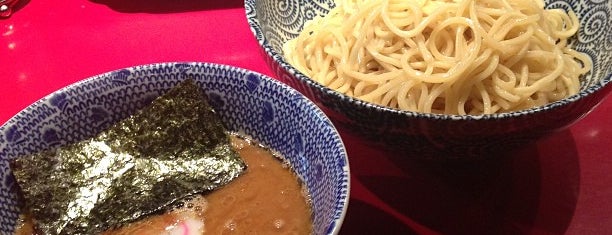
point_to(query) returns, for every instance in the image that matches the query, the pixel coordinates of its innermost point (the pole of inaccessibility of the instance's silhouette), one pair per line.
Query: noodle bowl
(452, 57)
(436, 134)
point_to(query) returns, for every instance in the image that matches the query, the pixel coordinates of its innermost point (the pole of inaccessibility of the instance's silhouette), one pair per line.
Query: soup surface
(266, 199)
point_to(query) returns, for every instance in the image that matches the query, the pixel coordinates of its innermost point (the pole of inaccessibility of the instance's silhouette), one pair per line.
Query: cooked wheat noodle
(454, 57)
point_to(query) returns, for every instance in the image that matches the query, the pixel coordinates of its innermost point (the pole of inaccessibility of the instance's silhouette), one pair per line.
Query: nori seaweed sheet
(170, 150)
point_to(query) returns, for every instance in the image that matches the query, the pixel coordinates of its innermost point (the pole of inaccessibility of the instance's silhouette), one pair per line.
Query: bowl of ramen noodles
(173, 148)
(442, 79)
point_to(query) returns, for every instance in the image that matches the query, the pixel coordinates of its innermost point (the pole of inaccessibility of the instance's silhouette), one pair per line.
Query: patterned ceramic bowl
(278, 116)
(437, 136)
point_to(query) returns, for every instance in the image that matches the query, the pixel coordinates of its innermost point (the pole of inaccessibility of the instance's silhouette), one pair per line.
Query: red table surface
(560, 185)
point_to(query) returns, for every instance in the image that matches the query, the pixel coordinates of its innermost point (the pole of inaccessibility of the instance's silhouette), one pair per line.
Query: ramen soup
(267, 198)
(169, 168)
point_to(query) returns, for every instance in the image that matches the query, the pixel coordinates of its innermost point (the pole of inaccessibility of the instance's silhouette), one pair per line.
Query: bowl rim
(277, 57)
(337, 219)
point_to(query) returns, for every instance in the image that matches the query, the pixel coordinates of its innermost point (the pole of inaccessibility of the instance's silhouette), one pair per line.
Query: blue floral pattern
(250, 103)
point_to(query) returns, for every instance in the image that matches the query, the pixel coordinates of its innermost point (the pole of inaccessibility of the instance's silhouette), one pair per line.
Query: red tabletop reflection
(559, 185)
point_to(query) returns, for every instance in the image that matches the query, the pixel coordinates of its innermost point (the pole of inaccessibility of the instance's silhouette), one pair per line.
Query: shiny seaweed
(170, 150)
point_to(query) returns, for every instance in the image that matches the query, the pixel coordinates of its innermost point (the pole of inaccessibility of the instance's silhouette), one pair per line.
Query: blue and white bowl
(438, 136)
(267, 110)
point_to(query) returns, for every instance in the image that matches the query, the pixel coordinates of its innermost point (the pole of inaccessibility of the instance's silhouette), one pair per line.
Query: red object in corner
(6, 7)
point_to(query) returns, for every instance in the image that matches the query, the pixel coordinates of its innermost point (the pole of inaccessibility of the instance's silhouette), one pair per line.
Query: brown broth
(266, 199)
